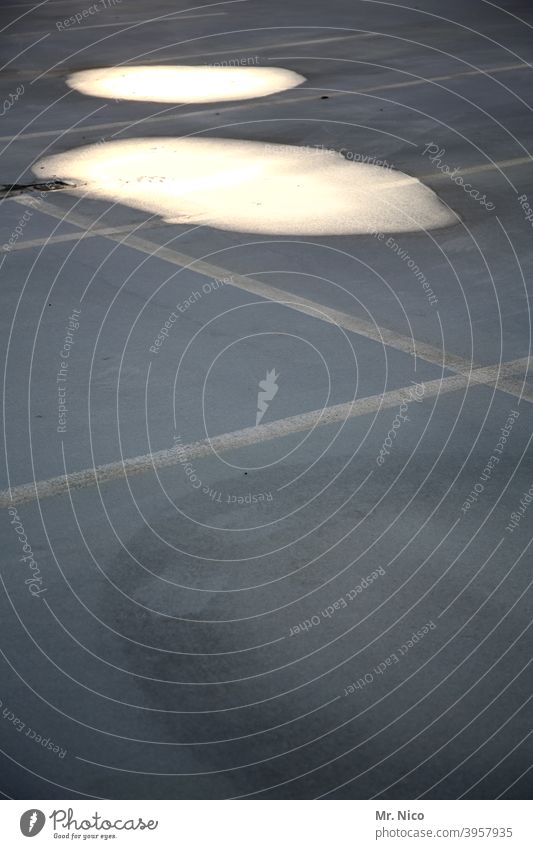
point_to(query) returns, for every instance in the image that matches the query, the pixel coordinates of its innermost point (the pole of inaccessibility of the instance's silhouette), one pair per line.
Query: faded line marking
(476, 169)
(65, 237)
(381, 335)
(117, 24)
(279, 100)
(406, 83)
(249, 436)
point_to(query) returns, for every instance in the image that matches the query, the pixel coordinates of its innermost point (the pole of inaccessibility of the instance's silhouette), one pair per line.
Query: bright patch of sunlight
(183, 83)
(250, 187)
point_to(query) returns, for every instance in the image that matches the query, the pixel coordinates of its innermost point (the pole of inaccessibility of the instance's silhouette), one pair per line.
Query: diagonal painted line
(367, 329)
(478, 169)
(120, 24)
(185, 59)
(65, 237)
(282, 100)
(249, 436)
(517, 66)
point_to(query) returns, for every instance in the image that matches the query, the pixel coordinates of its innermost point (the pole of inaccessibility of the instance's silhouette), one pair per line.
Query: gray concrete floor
(162, 654)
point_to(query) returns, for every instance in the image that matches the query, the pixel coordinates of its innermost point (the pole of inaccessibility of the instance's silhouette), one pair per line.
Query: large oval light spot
(183, 83)
(250, 187)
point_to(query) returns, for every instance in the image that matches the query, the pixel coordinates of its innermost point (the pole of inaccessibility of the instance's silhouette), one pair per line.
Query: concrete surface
(162, 649)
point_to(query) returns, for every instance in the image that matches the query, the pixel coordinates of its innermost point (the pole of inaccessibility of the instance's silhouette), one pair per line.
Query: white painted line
(249, 436)
(34, 6)
(140, 22)
(517, 66)
(65, 237)
(82, 128)
(477, 169)
(303, 96)
(384, 336)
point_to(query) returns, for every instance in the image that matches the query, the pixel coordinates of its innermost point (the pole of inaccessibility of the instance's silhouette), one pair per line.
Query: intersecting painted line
(106, 231)
(280, 101)
(248, 436)
(157, 60)
(64, 237)
(348, 322)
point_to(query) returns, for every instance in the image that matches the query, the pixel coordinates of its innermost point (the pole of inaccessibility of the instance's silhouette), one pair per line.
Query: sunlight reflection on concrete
(183, 83)
(250, 187)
